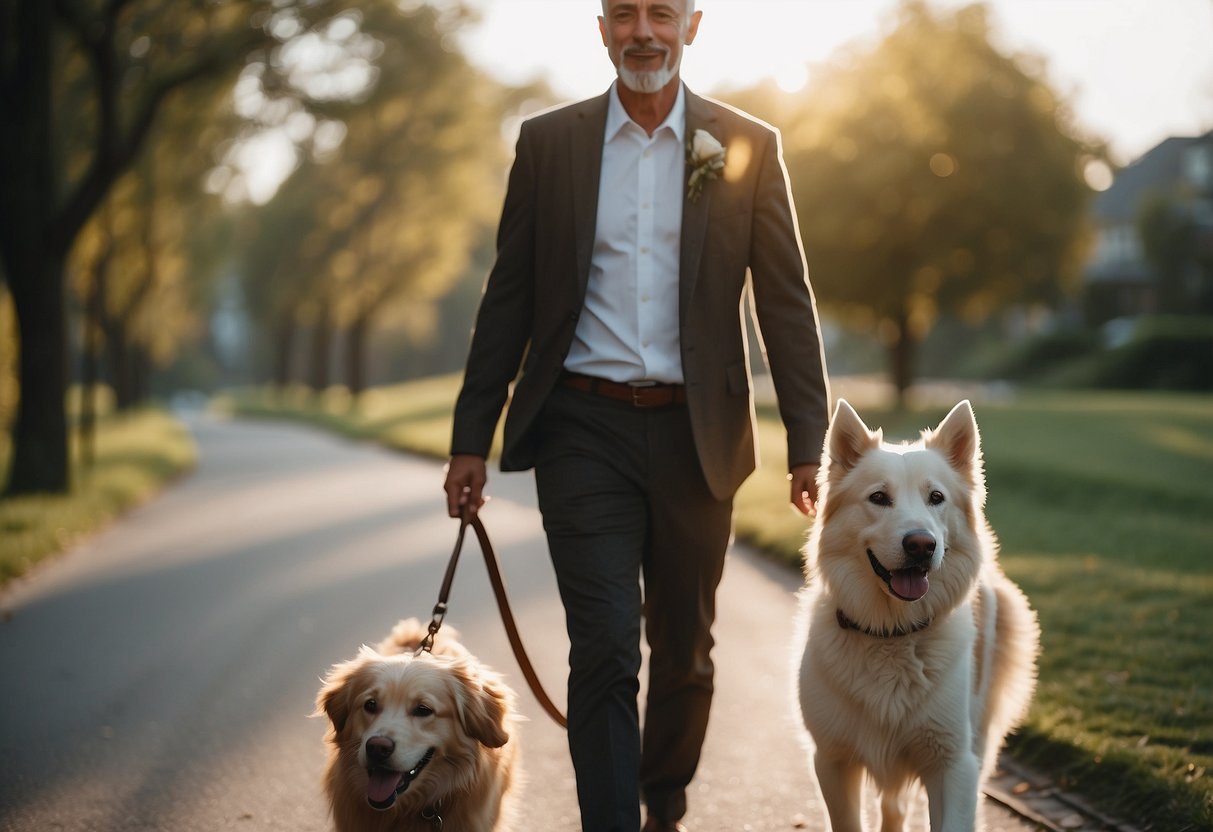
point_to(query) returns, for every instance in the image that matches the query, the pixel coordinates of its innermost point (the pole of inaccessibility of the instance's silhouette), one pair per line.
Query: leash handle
(493, 567)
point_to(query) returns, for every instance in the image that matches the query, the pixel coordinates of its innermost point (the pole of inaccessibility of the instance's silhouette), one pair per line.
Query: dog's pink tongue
(382, 785)
(910, 584)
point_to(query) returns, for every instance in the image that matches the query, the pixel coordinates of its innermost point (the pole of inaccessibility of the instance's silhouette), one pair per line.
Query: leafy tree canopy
(933, 174)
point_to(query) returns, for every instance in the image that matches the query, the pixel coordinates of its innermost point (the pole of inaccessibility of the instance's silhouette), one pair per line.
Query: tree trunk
(322, 339)
(901, 355)
(355, 355)
(141, 375)
(284, 347)
(118, 361)
(33, 263)
(90, 360)
(40, 456)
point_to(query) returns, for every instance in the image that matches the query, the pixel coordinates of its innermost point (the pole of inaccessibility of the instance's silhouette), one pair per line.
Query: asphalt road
(161, 675)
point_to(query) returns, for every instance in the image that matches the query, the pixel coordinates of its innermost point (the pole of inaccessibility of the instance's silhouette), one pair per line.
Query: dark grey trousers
(623, 496)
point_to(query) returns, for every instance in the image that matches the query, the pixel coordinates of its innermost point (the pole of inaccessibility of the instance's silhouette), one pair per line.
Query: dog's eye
(936, 498)
(423, 710)
(371, 706)
(879, 498)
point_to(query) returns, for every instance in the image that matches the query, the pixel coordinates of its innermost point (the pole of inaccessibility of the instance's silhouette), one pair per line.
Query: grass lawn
(1098, 503)
(135, 454)
(1103, 506)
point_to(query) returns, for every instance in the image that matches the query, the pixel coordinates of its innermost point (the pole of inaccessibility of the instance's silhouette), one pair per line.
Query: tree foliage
(136, 268)
(62, 153)
(383, 224)
(933, 175)
(101, 148)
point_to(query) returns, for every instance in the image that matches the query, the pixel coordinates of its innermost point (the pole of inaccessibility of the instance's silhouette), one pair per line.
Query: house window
(1198, 166)
(1118, 244)
(1202, 212)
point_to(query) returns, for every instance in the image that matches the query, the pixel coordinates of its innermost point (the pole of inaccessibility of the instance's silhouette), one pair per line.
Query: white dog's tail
(1004, 678)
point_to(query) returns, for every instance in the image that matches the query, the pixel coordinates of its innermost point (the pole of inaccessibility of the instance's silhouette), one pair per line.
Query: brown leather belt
(643, 394)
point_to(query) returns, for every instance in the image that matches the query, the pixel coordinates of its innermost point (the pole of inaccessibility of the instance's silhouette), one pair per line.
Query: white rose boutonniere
(705, 156)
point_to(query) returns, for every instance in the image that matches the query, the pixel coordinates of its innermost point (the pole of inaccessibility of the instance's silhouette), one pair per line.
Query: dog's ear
(336, 696)
(847, 440)
(482, 701)
(957, 438)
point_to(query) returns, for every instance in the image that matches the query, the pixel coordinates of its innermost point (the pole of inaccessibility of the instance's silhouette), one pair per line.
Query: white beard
(646, 81)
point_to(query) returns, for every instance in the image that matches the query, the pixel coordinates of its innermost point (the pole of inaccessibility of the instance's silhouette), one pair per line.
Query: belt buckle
(638, 388)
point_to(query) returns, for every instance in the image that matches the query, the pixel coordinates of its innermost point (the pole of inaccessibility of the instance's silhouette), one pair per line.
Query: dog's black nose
(919, 545)
(379, 749)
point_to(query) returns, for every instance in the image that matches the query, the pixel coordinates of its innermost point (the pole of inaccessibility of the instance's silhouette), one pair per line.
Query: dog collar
(430, 813)
(847, 624)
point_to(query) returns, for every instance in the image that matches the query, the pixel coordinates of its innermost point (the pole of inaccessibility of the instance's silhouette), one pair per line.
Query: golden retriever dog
(918, 654)
(418, 742)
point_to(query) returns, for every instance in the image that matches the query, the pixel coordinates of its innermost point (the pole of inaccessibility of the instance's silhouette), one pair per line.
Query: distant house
(1119, 280)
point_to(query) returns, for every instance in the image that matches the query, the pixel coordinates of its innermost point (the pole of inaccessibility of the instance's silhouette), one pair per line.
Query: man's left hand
(804, 488)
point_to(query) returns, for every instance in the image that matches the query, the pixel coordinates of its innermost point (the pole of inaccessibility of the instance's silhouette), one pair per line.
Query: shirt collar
(617, 117)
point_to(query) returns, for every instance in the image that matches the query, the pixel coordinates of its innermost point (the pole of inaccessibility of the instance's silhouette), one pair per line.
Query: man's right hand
(465, 478)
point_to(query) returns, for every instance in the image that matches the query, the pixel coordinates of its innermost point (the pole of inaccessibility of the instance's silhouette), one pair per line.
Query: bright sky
(1135, 71)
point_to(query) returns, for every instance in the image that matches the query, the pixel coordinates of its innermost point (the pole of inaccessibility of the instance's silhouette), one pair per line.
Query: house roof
(1160, 169)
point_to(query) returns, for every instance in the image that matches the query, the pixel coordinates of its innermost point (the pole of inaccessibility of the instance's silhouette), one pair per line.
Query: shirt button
(644, 249)
(648, 153)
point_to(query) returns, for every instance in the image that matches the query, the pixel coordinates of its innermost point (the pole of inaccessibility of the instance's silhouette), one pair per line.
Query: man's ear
(693, 28)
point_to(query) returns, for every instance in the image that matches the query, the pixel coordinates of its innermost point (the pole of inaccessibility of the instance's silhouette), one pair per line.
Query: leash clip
(439, 615)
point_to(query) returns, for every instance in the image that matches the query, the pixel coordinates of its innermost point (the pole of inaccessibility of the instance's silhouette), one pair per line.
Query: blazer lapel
(694, 212)
(585, 137)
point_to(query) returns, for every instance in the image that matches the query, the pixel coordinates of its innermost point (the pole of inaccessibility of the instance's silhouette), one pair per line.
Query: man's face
(645, 38)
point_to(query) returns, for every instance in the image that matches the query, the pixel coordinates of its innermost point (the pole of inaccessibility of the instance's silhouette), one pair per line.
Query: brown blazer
(742, 221)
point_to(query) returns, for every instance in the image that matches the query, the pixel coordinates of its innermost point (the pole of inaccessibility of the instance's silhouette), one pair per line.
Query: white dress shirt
(628, 330)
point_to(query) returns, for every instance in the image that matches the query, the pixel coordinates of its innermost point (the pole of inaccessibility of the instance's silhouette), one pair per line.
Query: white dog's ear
(956, 437)
(847, 440)
(483, 702)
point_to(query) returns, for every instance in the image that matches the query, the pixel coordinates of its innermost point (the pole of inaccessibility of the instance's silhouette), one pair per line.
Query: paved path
(161, 675)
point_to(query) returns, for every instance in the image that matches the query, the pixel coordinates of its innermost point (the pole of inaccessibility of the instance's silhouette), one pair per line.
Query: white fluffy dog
(918, 653)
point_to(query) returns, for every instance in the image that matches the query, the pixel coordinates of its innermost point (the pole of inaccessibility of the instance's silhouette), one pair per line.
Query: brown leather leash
(503, 604)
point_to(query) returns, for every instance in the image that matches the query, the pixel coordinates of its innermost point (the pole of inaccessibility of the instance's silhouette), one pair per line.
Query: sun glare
(792, 77)
(1098, 175)
(740, 42)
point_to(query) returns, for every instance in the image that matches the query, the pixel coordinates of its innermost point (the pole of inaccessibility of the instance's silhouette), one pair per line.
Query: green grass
(1103, 507)
(1103, 503)
(135, 454)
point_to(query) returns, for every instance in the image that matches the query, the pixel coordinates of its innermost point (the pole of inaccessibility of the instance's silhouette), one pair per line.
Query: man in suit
(625, 254)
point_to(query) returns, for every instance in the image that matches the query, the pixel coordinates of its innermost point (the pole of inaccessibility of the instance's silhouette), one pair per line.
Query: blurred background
(292, 203)
(303, 193)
